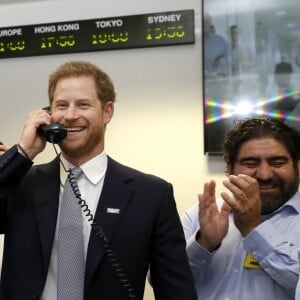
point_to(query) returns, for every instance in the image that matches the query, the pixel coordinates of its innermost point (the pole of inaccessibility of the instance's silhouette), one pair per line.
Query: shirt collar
(93, 174)
(292, 204)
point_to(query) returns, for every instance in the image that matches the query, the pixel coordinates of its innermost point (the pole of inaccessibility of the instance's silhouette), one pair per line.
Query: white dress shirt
(90, 185)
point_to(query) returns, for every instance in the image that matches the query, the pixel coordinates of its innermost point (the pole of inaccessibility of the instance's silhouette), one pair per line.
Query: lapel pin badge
(111, 210)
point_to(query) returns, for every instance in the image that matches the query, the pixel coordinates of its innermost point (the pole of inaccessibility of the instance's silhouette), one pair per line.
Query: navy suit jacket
(146, 232)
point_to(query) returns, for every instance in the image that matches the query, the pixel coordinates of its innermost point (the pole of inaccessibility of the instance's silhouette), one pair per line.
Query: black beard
(272, 201)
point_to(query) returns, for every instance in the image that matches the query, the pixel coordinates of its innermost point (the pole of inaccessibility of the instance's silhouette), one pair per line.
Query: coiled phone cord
(98, 231)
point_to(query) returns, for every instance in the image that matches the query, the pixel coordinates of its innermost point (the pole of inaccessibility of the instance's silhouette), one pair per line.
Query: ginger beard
(85, 142)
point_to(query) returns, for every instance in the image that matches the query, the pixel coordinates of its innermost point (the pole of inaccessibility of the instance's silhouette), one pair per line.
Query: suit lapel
(46, 195)
(114, 199)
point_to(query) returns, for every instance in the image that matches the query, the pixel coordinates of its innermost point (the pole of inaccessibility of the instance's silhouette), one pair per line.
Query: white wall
(158, 122)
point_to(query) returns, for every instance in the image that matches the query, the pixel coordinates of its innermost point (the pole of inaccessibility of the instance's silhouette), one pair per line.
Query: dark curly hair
(259, 128)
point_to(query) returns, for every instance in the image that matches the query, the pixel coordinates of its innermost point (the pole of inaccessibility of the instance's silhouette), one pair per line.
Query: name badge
(251, 263)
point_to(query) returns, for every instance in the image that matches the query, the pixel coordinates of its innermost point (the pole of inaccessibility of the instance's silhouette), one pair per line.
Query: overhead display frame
(123, 32)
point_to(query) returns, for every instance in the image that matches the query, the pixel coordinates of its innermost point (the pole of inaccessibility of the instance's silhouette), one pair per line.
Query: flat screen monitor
(251, 64)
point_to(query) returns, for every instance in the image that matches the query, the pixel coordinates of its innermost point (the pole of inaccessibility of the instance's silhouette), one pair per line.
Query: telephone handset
(53, 132)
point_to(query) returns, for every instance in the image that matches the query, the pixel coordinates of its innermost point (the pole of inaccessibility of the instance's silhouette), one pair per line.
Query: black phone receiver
(53, 132)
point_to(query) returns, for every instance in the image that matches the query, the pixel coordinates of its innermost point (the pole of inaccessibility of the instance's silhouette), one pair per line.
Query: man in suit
(136, 212)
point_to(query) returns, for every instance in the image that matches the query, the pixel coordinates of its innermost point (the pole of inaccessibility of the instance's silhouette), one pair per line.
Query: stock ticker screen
(123, 32)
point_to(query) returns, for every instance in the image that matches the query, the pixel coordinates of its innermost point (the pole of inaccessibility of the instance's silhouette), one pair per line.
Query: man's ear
(108, 111)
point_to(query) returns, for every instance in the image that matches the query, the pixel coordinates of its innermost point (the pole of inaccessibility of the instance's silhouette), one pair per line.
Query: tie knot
(76, 171)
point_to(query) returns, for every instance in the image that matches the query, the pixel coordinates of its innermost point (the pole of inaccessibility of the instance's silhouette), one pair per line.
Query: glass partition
(251, 64)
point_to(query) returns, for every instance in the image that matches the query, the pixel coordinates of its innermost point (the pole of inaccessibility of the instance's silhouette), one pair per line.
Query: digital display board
(124, 32)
